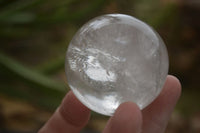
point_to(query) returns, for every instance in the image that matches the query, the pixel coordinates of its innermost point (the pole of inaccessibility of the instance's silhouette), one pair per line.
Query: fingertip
(157, 114)
(71, 99)
(71, 116)
(175, 81)
(173, 85)
(129, 109)
(73, 111)
(170, 93)
(127, 118)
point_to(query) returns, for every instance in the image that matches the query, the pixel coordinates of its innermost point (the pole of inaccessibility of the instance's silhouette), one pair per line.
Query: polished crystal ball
(116, 58)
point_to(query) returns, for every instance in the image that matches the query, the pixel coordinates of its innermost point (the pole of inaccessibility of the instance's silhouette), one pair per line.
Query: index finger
(70, 117)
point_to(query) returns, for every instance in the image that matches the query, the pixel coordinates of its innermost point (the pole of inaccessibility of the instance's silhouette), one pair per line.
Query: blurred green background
(34, 35)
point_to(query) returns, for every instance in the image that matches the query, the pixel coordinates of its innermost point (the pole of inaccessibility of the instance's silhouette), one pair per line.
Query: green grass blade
(30, 76)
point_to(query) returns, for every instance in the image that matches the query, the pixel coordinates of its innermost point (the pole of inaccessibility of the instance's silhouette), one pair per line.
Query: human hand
(72, 115)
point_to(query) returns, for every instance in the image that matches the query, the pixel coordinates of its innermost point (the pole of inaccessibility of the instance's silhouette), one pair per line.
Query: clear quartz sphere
(116, 58)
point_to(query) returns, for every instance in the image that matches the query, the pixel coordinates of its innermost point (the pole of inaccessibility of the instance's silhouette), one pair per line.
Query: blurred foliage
(34, 35)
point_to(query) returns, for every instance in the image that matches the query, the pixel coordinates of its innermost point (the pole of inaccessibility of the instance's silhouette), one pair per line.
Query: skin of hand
(71, 116)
